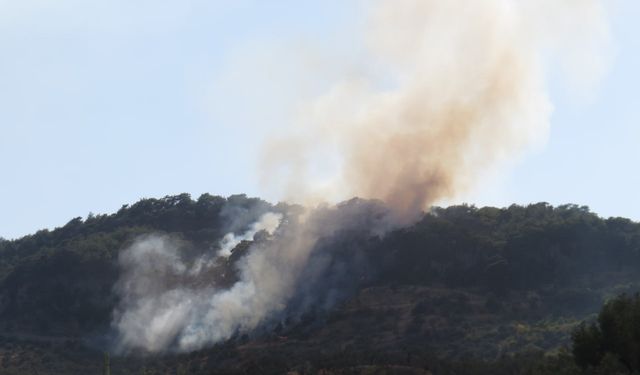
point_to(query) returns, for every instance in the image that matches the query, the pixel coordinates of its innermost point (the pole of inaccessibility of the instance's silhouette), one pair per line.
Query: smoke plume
(165, 296)
(450, 89)
(458, 89)
(171, 302)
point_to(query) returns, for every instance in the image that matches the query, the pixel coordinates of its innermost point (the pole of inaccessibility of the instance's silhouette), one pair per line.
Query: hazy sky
(104, 102)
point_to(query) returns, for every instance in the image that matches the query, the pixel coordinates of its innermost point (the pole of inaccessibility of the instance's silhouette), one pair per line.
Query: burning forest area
(360, 257)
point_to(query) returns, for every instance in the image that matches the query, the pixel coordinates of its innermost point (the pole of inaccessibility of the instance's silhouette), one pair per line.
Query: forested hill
(60, 281)
(462, 282)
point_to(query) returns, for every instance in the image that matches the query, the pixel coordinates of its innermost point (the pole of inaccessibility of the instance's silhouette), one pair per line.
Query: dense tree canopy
(470, 282)
(615, 335)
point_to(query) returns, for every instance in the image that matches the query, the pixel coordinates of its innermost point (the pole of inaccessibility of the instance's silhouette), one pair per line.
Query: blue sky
(593, 155)
(105, 102)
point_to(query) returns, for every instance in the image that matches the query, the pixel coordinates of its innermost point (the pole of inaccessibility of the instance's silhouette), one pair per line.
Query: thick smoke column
(456, 88)
(459, 89)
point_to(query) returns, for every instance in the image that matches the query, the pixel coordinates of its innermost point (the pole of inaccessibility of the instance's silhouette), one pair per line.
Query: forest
(533, 289)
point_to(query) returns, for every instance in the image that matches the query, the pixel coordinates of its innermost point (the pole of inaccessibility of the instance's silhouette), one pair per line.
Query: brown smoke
(457, 90)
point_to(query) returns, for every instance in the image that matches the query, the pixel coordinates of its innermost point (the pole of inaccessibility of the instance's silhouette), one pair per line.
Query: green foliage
(614, 340)
(60, 282)
(534, 247)
(587, 345)
(472, 285)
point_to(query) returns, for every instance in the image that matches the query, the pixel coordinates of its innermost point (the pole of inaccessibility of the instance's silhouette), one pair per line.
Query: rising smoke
(458, 89)
(167, 298)
(170, 302)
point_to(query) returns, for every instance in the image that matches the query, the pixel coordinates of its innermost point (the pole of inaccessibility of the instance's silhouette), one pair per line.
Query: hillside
(461, 289)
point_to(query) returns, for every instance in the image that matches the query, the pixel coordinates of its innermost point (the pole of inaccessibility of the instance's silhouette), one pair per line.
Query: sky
(105, 102)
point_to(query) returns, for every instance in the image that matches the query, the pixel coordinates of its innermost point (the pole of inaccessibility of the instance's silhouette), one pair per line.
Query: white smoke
(153, 306)
(163, 296)
(269, 222)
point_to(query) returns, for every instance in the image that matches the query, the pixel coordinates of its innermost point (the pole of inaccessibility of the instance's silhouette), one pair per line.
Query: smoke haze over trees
(462, 281)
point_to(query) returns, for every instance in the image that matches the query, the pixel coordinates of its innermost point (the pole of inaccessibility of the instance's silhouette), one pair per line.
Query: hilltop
(462, 288)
